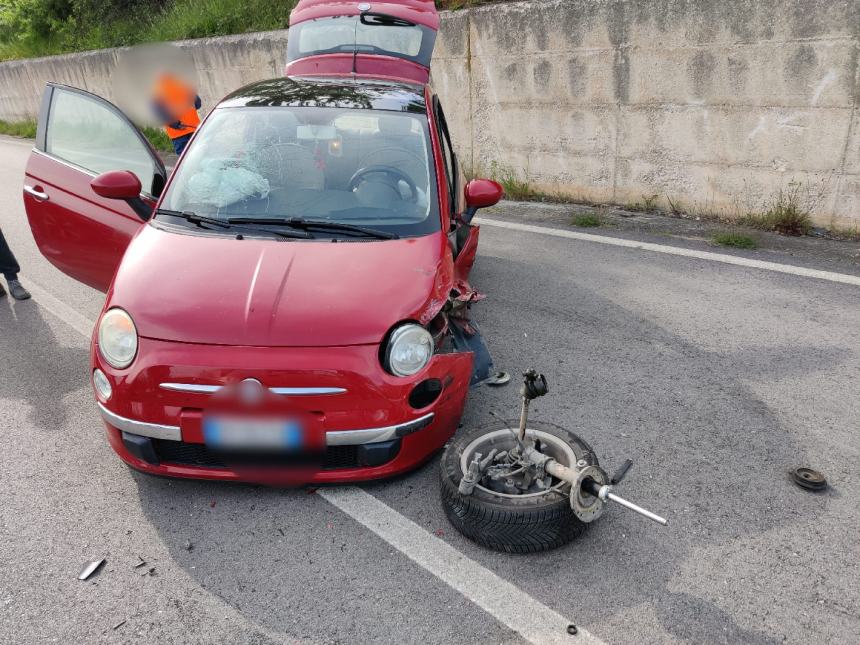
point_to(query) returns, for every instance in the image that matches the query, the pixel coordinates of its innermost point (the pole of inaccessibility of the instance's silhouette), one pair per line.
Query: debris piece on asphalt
(118, 625)
(212, 504)
(149, 572)
(809, 479)
(281, 531)
(439, 533)
(572, 630)
(140, 563)
(499, 378)
(189, 546)
(90, 569)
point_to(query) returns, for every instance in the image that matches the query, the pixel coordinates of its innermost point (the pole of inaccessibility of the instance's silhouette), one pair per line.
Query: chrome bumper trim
(190, 387)
(306, 391)
(286, 391)
(373, 435)
(154, 430)
(333, 438)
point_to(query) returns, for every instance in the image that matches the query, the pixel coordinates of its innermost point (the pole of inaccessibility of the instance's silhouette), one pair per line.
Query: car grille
(197, 454)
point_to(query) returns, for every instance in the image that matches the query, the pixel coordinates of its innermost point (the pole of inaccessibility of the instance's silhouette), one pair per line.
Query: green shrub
(25, 129)
(586, 220)
(789, 211)
(515, 188)
(159, 140)
(44, 27)
(735, 240)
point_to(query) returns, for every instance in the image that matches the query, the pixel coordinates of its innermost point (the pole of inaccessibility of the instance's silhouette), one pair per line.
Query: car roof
(328, 92)
(421, 12)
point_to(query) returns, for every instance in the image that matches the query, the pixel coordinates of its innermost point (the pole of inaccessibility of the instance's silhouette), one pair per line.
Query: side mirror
(122, 184)
(481, 193)
(117, 184)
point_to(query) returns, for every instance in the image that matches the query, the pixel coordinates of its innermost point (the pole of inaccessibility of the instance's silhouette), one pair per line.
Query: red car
(292, 302)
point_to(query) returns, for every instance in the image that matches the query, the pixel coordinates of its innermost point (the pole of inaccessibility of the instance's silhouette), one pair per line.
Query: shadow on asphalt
(44, 370)
(701, 440)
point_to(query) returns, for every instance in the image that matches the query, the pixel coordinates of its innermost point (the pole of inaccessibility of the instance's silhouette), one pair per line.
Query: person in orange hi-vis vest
(176, 104)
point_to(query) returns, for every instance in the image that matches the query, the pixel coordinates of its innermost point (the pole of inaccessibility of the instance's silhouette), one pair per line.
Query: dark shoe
(18, 292)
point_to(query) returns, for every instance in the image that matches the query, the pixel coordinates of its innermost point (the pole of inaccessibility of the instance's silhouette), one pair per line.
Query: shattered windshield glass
(353, 166)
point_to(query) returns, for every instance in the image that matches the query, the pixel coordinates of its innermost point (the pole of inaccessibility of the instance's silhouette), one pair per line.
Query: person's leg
(8, 264)
(179, 143)
(9, 268)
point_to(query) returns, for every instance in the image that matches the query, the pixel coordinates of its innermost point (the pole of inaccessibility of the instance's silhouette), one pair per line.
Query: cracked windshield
(359, 167)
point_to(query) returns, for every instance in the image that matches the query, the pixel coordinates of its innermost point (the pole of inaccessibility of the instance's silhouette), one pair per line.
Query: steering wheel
(392, 172)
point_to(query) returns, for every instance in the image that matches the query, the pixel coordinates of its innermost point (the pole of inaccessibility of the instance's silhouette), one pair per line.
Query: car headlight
(117, 338)
(410, 348)
(102, 385)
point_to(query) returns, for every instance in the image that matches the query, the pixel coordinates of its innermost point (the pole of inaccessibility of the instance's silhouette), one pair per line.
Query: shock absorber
(590, 489)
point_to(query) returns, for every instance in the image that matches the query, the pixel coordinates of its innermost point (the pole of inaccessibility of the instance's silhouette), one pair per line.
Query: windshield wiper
(308, 224)
(376, 18)
(194, 218)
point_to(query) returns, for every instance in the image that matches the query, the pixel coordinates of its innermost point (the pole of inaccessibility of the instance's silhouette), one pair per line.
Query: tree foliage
(44, 27)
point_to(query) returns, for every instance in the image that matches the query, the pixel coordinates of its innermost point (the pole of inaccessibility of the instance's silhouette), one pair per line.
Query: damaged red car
(292, 301)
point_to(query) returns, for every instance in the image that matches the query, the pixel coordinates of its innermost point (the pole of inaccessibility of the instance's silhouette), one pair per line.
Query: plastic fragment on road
(90, 569)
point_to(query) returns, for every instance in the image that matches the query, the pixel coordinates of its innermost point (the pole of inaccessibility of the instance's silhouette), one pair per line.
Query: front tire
(511, 523)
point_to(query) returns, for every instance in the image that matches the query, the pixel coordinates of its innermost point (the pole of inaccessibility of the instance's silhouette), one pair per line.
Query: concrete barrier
(713, 107)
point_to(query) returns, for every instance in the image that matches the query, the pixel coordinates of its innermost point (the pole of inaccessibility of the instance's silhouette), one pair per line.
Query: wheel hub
(507, 472)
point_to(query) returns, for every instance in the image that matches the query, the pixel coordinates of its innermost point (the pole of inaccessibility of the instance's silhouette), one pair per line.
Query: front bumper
(369, 429)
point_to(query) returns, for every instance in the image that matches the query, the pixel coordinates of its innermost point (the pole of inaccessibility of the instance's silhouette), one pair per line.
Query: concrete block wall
(714, 105)
(222, 65)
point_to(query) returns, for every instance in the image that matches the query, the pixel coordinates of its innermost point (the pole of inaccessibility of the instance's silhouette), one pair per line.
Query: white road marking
(511, 606)
(508, 604)
(843, 278)
(60, 309)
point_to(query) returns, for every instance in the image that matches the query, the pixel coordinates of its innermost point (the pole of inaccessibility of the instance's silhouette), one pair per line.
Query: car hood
(264, 292)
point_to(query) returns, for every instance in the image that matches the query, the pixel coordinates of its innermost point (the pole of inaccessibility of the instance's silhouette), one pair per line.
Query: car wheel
(514, 523)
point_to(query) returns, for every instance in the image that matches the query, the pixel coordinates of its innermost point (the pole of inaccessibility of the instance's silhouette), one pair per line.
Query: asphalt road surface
(714, 378)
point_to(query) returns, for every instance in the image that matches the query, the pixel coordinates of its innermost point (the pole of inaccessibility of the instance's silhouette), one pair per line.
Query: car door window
(90, 134)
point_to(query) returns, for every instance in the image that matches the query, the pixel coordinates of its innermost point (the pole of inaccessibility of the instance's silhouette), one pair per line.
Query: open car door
(80, 136)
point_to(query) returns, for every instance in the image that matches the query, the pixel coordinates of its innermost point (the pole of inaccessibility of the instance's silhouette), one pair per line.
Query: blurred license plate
(230, 432)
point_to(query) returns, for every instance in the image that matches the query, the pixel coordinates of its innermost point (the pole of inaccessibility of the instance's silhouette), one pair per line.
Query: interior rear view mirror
(481, 193)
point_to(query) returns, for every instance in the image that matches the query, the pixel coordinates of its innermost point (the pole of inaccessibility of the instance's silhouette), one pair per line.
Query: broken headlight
(410, 348)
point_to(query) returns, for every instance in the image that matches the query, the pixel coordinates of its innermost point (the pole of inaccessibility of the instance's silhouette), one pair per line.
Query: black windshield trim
(304, 224)
(227, 225)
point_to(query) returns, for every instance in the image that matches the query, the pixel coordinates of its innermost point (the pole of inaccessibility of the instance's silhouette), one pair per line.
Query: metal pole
(638, 509)
(524, 419)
